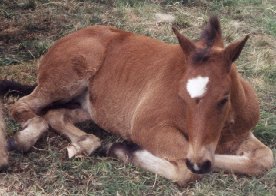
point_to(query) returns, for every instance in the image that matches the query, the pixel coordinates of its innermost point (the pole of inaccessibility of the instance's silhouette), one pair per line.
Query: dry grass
(29, 27)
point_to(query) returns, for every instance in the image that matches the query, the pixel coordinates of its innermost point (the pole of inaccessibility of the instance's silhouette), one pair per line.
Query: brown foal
(185, 104)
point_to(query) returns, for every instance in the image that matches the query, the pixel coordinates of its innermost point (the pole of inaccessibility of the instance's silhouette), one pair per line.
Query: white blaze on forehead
(197, 86)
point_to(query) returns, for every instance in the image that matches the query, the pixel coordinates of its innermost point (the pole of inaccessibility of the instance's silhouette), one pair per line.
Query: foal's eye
(222, 102)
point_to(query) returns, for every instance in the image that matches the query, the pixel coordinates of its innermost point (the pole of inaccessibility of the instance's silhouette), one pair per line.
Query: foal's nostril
(189, 164)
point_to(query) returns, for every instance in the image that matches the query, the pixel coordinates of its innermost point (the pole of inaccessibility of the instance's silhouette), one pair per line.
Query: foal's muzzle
(201, 168)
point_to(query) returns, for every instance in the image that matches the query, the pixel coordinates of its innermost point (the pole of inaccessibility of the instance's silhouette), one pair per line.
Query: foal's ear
(187, 46)
(233, 51)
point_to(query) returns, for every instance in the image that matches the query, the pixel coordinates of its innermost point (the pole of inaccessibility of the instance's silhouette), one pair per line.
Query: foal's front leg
(173, 170)
(252, 158)
(163, 151)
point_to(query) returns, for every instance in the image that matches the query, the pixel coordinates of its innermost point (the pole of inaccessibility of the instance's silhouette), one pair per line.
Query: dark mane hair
(211, 31)
(209, 35)
(201, 55)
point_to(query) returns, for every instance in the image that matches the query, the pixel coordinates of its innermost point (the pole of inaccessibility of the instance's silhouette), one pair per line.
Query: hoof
(73, 150)
(84, 147)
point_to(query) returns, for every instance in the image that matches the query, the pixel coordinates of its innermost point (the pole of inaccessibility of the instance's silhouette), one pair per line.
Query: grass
(29, 27)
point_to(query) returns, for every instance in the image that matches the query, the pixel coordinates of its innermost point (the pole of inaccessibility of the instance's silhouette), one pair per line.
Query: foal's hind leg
(62, 120)
(252, 158)
(26, 110)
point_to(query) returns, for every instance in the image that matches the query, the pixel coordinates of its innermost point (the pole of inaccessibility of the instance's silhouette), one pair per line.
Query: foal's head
(205, 88)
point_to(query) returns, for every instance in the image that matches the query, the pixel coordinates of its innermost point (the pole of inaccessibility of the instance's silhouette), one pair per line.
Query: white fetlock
(73, 150)
(33, 129)
(84, 146)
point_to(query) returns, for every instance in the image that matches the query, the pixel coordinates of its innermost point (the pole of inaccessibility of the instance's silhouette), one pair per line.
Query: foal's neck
(244, 104)
(238, 96)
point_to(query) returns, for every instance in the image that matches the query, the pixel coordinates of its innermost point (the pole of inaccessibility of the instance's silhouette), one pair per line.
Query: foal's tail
(9, 87)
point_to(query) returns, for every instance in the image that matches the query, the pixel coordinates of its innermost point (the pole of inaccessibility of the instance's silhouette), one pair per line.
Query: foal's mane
(210, 36)
(211, 32)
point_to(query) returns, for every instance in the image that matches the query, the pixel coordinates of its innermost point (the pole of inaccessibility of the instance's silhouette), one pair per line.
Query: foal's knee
(264, 160)
(260, 160)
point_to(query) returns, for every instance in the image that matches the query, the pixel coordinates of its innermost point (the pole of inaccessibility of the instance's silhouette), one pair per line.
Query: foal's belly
(111, 111)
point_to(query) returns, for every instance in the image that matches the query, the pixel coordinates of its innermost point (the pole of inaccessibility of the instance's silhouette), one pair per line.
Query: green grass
(29, 27)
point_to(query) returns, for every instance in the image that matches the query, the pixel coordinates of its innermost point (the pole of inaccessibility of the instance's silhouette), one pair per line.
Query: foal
(185, 104)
